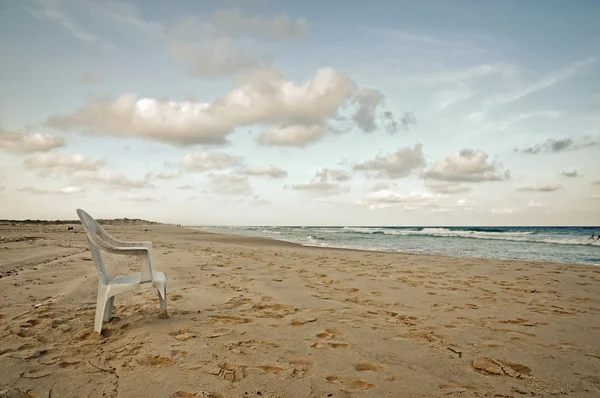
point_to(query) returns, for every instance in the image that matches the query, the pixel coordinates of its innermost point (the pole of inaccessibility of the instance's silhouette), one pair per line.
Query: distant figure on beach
(592, 237)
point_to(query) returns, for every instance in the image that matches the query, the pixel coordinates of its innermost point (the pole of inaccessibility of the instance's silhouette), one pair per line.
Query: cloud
(366, 117)
(265, 99)
(166, 176)
(206, 161)
(52, 164)
(540, 188)
(55, 12)
(235, 23)
(368, 100)
(596, 182)
(408, 119)
(553, 146)
(505, 210)
(387, 198)
(458, 77)
(550, 145)
(21, 142)
(326, 182)
(215, 58)
(127, 14)
(176, 123)
(546, 82)
(507, 122)
(229, 184)
(379, 186)
(326, 174)
(118, 181)
(186, 187)
(322, 188)
(465, 203)
(532, 204)
(569, 174)
(141, 198)
(399, 164)
(467, 165)
(70, 190)
(292, 135)
(269, 171)
(245, 200)
(398, 35)
(447, 187)
(219, 52)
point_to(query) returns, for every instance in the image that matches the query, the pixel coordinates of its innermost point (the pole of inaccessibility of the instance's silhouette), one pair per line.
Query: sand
(260, 318)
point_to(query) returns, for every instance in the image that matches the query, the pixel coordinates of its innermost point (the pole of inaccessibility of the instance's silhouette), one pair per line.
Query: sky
(279, 112)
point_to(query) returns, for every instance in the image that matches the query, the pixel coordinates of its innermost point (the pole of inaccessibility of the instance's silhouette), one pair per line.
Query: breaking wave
(472, 233)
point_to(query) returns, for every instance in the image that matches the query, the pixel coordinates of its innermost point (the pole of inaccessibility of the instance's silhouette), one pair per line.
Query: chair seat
(135, 279)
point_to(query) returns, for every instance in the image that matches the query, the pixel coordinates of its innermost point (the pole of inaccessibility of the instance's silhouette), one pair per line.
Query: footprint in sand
(179, 354)
(201, 394)
(228, 320)
(300, 366)
(329, 333)
(234, 302)
(523, 322)
(234, 373)
(155, 361)
(237, 347)
(369, 366)
(219, 332)
(355, 384)
(329, 345)
(361, 367)
(300, 322)
(272, 310)
(303, 361)
(182, 334)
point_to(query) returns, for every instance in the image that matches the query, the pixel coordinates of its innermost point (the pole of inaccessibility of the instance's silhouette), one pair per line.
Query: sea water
(552, 244)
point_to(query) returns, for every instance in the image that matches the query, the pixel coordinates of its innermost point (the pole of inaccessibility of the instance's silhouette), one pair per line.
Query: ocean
(552, 244)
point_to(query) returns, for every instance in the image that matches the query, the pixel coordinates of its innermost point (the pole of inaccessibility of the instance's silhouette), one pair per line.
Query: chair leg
(101, 304)
(108, 309)
(162, 296)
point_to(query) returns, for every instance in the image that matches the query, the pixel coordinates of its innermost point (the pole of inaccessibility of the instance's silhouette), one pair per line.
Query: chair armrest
(127, 250)
(123, 243)
(143, 250)
(132, 251)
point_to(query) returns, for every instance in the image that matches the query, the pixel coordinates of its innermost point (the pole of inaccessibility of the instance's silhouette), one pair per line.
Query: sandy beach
(252, 317)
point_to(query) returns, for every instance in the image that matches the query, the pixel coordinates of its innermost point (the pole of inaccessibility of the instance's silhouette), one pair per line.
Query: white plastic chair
(108, 288)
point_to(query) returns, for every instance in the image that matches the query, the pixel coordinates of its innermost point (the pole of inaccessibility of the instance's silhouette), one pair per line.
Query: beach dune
(256, 317)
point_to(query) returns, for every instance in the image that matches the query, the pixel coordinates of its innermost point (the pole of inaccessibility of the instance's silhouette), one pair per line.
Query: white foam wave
(314, 241)
(514, 236)
(271, 232)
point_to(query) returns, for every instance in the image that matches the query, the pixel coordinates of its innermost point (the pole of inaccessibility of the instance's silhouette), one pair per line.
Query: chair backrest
(94, 232)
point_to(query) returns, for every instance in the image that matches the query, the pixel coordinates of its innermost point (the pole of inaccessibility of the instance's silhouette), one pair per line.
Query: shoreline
(275, 242)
